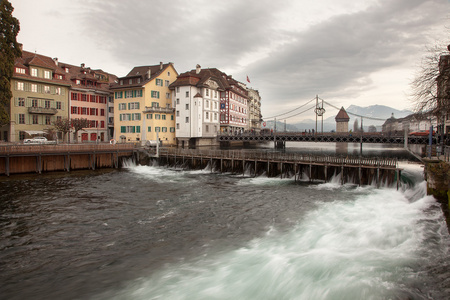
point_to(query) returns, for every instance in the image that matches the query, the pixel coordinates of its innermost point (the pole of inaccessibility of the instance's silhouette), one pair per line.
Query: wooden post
(256, 166)
(281, 171)
(7, 165)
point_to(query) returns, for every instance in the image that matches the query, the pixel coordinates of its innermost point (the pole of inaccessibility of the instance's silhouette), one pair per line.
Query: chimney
(56, 61)
(82, 65)
(161, 65)
(149, 73)
(198, 69)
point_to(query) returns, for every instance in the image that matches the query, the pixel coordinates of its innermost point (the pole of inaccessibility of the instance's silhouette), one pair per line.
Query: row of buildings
(149, 103)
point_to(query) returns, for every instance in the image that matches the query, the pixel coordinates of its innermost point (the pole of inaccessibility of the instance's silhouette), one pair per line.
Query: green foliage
(79, 124)
(9, 51)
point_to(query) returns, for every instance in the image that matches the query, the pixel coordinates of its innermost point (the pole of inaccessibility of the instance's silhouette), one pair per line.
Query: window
(130, 81)
(34, 88)
(187, 119)
(136, 116)
(122, 106)
(102, 124)
(74, 96)
(58, 105)
(171, 117)
(21, 118)
(149, 129)
(20, 86)
(157, 116)
(178, 89)
(35, 119)
(34, 103)
(167, 95)
(178, 113)
(207, 92)
(118, 95)
(34, 72)
(133, 105)
(206, 115)
(58, 91)
(215, 116)
(47, 74)
(157, 129)
(155, 94)
(207, 128)
(66, 69)
(77, 81)
(178, 125)
(207, 104)
(84, 111)
(83, 97)
(187, 106)
(92, 111)
(155, 104)
(46, 89)
(167, 82)
(47, 103)
(187, 94)
(74, 110)
(20, 70)
(178, 100)
(163, 117)
(102, 112)
(172, 129)
(47, 120)
(159, 82)
(164, 129)
(21, 102)
(149, 116)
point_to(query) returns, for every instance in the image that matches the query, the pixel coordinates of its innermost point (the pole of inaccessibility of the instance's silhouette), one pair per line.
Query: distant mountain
(329, 124)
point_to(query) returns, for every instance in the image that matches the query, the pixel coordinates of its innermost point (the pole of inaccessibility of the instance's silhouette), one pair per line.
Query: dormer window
(34, 72)
(47, 74)
(66, 69)
(121, 82)
(130, 81)
(139, 80)
(20, 70)
(78, 81)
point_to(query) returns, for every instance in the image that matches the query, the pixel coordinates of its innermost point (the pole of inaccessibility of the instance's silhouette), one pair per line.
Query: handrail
(287, 157)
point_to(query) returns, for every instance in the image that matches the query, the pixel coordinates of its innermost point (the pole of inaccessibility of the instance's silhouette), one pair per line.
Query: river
(151, 232)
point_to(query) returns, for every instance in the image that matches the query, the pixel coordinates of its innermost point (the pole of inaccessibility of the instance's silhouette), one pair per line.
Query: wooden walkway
(352, 169)
(60, 157)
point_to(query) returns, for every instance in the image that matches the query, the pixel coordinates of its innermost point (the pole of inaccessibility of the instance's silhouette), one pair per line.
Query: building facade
(88, 99)
(40, 96)
(254, 110)
(143, 109)
(197, 99)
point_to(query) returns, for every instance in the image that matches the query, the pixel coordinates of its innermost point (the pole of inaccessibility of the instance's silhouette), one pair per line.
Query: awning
(33, 132)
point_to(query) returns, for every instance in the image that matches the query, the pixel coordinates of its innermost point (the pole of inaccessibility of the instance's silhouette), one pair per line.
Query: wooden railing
(285, 157)
(59, 148)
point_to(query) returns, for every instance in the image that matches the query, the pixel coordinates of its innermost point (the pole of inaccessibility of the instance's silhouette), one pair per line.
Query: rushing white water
(366, 244)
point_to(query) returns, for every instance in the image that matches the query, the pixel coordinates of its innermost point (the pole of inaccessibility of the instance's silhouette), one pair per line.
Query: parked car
(421, 133)
(36, 140)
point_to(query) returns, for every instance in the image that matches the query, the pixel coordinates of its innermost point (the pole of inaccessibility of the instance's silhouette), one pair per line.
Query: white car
(36, 140)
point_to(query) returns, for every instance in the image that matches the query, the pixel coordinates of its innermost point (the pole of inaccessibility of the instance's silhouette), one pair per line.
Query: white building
(196, 99)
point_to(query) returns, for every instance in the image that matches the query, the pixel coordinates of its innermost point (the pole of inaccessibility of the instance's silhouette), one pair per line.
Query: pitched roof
(143, 73)
(69, 78)
(200, 78)
(342, 116)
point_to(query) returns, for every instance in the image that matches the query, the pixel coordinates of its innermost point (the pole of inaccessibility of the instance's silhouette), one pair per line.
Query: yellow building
(143, 106)
(40, 97)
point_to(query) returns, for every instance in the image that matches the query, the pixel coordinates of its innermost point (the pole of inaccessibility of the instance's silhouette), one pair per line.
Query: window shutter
(138, 129)
(158, 95)
(129, 106)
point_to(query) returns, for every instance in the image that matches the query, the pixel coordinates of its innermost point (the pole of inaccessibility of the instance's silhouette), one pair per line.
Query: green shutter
(123, 129)
(138, 129)
(149, 129)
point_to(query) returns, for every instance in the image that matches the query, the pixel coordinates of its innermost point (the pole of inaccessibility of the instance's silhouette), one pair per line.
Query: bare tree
(430, 74)
(79, 124)
(63, 125)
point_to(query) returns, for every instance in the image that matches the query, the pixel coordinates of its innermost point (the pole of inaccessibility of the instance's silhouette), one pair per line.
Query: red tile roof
(342, 116)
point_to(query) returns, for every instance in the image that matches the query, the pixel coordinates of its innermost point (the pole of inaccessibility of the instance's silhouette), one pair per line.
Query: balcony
(152, 109)
(42, 110)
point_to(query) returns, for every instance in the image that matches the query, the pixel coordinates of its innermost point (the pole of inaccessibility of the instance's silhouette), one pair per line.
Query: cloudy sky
(348, 52)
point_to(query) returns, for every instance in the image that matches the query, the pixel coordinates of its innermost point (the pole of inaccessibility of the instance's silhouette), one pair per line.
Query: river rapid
(151, 232)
